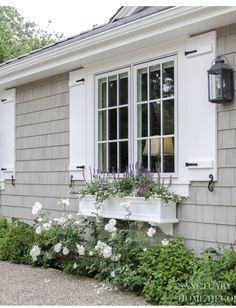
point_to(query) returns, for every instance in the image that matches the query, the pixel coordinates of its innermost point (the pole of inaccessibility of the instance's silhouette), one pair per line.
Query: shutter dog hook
(210, 184)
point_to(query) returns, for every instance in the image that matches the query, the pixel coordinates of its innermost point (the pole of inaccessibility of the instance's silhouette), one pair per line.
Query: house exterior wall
(42, 149)
(42, 160)
(209, 218)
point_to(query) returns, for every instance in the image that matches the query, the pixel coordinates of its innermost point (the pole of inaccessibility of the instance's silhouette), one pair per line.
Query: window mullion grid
(161, 119)
(118, 124)
(148, 112)
(107, 126)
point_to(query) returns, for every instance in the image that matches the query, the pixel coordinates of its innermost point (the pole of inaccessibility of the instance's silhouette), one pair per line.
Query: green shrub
(163, 266)
(3, 226)
(227, 271)
(16, 240)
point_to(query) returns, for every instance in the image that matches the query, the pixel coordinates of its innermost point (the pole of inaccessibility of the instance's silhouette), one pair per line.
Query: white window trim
(107, 75)
(132, 109)
(187, 103)
(135, 69)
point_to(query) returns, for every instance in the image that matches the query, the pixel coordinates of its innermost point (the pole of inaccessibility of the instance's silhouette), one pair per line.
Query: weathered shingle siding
(42, 159)
(209, 218)
(42, 148)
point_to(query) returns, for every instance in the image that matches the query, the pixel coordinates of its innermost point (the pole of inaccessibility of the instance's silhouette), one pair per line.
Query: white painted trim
(7, 135)
(163, 26)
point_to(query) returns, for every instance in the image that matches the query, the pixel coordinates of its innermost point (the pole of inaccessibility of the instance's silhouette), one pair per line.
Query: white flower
(144, 249)
(113, 274)
(110, 228)
(80, 249)
(69, 216)
(107, 252)
(38, 230)
(61, 220)
(165, 242)
(75, 265)
(116, 258)
(112, 222)
(65, 202)
(39, 219)
(36, 208)
(100, 245)
(90, 253)
(65, 251)
(46, 226)
(151, 231)
(77, 222)
(57, 247)
(35, 252)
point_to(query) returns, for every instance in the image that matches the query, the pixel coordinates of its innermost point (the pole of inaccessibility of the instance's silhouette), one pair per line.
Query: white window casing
(7, 135)
(195, 117)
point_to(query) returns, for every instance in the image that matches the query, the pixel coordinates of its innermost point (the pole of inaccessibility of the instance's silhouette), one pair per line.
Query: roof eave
(65, 57)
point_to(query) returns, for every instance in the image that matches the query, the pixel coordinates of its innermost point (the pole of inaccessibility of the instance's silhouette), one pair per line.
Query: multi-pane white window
(155, 115)
(152, 114)
(113, 121)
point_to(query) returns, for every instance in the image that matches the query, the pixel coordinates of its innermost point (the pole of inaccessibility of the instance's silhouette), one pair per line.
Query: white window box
(152, 210)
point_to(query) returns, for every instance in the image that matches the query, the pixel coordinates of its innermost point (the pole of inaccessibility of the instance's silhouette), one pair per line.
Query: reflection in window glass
(123, 89)
(102, 125)
(143, 152)
(168, 117)
(169, 155)
(123, 114)
(142, 85)
(124, 156)
(142, 120)
(102, 157)
(155, 119)
(155, 154)
(112, 91)
(154, 81)
(168, 79)
(112, 128)
(102, 93)
(112, 155)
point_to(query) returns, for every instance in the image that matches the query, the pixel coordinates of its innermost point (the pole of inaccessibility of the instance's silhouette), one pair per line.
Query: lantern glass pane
(227, 85)
(215, 82)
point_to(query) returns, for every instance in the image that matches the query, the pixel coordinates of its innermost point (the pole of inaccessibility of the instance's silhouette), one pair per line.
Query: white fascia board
(163, 25)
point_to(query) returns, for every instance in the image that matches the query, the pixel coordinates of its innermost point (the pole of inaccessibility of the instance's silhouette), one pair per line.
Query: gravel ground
(26, 285)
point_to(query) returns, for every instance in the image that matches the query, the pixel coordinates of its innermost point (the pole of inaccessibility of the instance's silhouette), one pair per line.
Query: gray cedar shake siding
(42, 148)
(42, 160)
(209, 218)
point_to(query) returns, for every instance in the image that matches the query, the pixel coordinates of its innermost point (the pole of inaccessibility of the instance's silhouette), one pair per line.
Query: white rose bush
(119, 253)
(105, 248)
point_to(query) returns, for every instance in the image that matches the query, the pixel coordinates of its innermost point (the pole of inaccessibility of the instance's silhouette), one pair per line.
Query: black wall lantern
(220, 82)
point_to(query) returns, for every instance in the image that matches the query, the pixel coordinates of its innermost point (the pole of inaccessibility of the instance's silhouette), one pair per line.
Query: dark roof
(139, 13)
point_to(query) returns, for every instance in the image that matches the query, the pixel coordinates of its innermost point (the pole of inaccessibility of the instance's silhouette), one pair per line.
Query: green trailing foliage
(130, 185)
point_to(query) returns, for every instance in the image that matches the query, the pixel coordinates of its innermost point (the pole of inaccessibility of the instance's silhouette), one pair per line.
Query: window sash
(163, 139)
(133, 103)
(119, 141)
